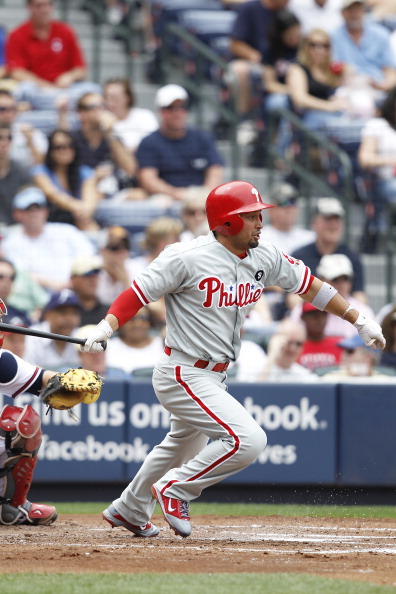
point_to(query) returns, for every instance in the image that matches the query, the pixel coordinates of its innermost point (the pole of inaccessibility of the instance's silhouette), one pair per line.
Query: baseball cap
(329, 207)
(64, 298)
(353, 342)
(84, 265)
(348, 3)
(283, 194)
(332, 266)
(168, 94)
(307, 307)
(27, 197)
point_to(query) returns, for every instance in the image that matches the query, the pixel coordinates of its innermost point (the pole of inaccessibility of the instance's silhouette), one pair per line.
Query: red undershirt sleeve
(125, 306)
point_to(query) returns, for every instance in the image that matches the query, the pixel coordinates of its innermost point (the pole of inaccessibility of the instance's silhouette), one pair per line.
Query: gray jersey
(209, 291)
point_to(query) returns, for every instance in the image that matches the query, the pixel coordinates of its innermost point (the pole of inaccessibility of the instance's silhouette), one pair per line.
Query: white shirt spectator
(287, 241)
(312, 16)
(20, 150)
(44, 353)
(138, 124)
(128, 358)
(49, 255)
(295, 373)
(250, 362)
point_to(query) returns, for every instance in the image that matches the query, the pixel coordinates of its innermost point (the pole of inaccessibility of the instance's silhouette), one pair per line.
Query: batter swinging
(210, 285)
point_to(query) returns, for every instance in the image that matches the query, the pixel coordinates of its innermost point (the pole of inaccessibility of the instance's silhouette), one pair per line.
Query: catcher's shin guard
(21, 431)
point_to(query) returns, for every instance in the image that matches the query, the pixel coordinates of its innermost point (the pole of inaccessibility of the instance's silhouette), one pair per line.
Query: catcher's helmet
(226, 202)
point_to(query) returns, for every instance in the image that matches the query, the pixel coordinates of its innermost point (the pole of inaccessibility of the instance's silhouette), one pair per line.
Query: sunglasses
(91, 273)
(62, 147)
(318, 45)
(343, 277)
(116, 248)
(349, 351)
(7, 108)
(288, 202)
(7, 137)
(7, 277)
(90, 107)
(175, 107)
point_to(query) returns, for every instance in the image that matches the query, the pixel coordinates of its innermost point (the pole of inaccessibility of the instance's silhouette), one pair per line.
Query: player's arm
(326, 298)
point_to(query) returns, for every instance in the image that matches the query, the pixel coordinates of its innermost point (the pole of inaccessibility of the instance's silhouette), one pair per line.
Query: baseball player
(210, 285)
(20, 439)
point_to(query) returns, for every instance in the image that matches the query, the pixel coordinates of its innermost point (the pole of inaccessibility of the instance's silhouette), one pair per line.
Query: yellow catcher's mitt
(65, 390)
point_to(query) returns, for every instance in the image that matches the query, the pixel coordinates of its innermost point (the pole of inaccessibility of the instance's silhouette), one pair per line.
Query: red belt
(202, 363)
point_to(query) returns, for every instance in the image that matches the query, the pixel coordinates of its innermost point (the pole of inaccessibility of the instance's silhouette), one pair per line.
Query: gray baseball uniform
(208, 292)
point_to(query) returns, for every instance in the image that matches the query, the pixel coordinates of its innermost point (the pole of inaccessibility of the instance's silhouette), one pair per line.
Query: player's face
(249, 237)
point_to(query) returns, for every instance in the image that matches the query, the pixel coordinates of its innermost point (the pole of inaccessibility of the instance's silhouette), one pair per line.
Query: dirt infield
(358, 549)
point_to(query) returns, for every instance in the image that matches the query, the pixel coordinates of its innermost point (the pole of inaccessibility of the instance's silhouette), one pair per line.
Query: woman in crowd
(69, 187)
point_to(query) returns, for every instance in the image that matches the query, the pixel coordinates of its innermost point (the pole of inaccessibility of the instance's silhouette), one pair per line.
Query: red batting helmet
(226, 202)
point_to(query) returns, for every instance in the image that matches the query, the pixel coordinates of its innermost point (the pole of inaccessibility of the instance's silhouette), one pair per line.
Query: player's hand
(371, 332)
(101, 332)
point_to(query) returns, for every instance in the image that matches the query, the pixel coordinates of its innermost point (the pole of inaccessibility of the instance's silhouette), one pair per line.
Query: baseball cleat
(112, 516)
(37, 514)
(176, 512)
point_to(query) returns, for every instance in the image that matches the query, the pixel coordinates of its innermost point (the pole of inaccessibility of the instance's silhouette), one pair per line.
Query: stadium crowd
(71, 150)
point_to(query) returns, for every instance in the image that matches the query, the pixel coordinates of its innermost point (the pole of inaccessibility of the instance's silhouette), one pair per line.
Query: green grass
(115, 583)
(255, 509)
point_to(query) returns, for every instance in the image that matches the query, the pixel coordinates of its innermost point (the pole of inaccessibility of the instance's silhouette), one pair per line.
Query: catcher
(20, 428)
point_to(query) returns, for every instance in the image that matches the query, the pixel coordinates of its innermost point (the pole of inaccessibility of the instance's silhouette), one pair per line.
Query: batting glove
(101, 332)
(370, 332)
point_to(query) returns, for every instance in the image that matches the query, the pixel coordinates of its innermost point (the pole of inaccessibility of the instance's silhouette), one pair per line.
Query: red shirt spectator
(318, 350)
(46, 58)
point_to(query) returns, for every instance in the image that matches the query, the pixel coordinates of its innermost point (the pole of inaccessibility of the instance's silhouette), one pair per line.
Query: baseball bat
(43, 334)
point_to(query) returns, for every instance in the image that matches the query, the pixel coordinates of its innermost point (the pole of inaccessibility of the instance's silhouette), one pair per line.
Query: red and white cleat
(176, 512)
(112, 516)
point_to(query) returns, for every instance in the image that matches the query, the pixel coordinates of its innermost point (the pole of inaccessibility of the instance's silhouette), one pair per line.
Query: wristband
(360, 321)
(346, 311)
(323, 296)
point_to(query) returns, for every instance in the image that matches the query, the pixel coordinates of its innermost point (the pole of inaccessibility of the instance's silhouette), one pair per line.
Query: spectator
(318, 350)
(283, 230)
(313, 83)
(388, 356)
(84, 282)
(328, 224)
(132, 123)
(97, 143)
(29, 145)
(284, 348)
(377, 155)
(16, 343)
(284, 42)
(193, 213)
(44, 56)
(118, 270)
(160, 232)
(7, 278)
(69, 187)
(135, 346)
(249, 41)
(13, 175)
(358, 362)
(337, 270)
(252, 358)
(311, 12)
(61, 315)
(365, 46)
(175, 156)
(45, 250)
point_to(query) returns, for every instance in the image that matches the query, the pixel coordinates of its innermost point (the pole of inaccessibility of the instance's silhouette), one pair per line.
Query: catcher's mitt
(65, 390)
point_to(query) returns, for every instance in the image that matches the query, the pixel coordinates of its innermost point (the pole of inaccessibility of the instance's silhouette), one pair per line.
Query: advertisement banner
(114, 435)
(367, 435)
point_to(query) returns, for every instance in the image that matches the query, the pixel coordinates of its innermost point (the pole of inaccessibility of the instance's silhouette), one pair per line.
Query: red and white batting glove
(371, 332)
(101, 332)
